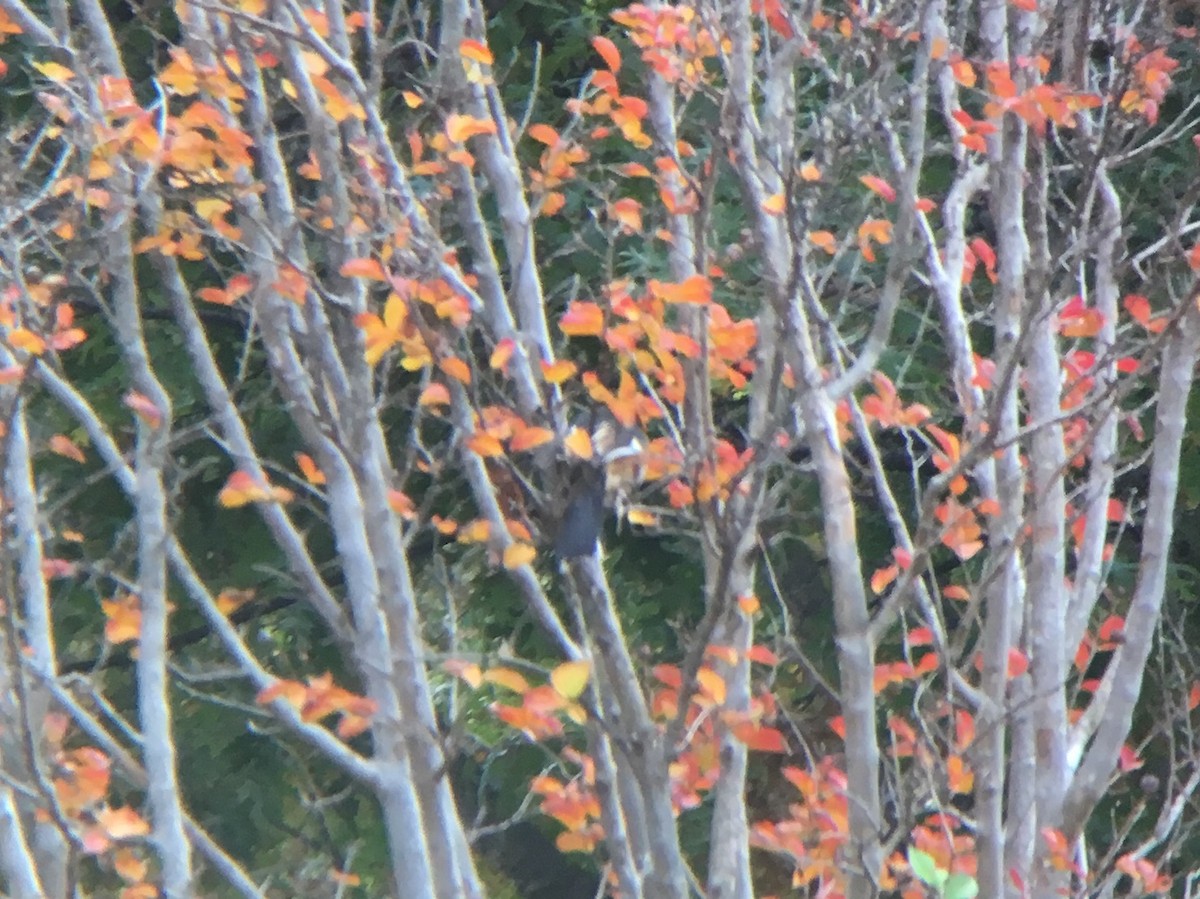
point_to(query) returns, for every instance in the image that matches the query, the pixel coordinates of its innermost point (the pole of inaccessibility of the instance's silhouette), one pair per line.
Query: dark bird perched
(607, 479)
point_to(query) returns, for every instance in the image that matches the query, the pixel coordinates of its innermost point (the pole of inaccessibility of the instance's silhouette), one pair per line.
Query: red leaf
(766, 739)
(1018, 663)
(1128, 760)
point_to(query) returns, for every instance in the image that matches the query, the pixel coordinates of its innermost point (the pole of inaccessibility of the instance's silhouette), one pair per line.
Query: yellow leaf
(711, 684)
(502, 353)
(579, 443)
(774, 204)
(210, 208)
(570, 678)
(507, 678)
(59, 74)
(641, 516)
(24, 339)
(467, 671)
(476, 532)
(518, 554)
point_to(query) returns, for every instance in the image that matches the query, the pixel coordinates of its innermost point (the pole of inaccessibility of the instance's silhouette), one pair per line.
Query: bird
(607, 479)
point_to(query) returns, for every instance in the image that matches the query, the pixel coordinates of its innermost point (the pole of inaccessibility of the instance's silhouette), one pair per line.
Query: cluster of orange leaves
(81, 781)
(1075, 320)
(572, 802)
(26, 334)
(319, 698)
(537, 715)
(814, 834)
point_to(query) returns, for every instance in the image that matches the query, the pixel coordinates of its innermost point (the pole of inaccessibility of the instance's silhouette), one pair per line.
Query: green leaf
(960, 886)
(923, 866)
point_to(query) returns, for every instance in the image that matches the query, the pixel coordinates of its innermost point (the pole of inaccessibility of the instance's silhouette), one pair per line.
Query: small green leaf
(923, 866)
(960, 886)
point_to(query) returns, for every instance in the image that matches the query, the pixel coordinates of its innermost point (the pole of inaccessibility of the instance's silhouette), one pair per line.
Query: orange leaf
(883, 577)
(456, 368)
(122, 823)
(460, 128)
(762, 654)
(543, 134)
(558, 372)
(242, 488)
(628, 213)
(552, 203)
(436, 394)
(774, 204)
(823, 240)
(696, 289)
(582, 320)
(123, 619)
(309, 469)
(63, 446)
(764, 739)
(231, 599)
(608, 52)
(363, 268)
(528, 438)
(517, 555)
(475, 51)
(877, 185)
(144, 408)
(400, 503)
(502, 353)
(484, 444)
(507, 678)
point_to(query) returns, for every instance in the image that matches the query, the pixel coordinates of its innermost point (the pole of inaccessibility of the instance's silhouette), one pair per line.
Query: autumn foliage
(910, 343)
